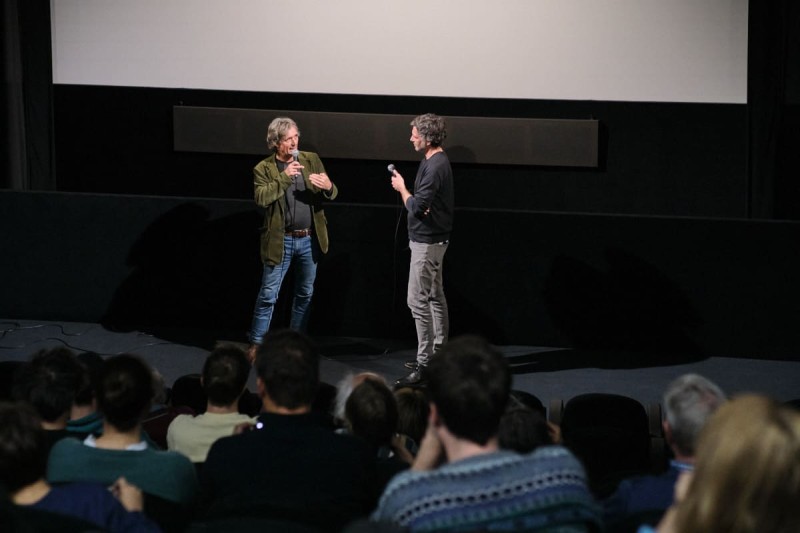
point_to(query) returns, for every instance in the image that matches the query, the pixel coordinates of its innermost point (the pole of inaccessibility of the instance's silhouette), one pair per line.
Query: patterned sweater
(544, 491)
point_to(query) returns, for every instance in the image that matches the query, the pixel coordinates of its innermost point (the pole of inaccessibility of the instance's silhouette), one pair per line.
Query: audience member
(412, 415)
(187, 391)
(123, 397)
(157, 421)
(689, 401)
(291, 465)
(344, 388)
(747, 473)
(521, 398)
(49, 382)
(26, 519)
(522, 429)
(23, 460)
(85, 419)
(224, 380)
(482, 487)
(371, 415)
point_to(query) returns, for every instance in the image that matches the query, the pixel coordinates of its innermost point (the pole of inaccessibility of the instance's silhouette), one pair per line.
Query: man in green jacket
(291, 186)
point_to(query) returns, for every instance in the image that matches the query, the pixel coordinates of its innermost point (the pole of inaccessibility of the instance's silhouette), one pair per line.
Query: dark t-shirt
(298, 202)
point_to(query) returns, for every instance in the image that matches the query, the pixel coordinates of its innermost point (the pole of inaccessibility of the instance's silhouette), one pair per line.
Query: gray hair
(159, 388)
(689, 402)
(345, 387)
(431, 127)
(277, 129)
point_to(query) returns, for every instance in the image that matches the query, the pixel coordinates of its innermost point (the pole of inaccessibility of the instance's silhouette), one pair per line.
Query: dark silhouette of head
(469, 383)
(287, 363)
(225, 375)
(125, 391)
(371, 412)
(49, 382)
(23, 446)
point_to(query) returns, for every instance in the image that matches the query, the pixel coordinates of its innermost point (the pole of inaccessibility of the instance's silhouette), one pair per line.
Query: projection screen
(618, 50)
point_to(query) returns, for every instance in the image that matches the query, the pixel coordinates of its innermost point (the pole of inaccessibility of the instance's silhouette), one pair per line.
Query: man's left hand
(322, 181)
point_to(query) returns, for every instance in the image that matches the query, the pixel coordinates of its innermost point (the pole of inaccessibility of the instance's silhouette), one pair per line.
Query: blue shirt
(94, 503)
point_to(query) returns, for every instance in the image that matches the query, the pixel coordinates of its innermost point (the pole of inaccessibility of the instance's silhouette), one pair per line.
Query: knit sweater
(166, 474)
(545, 491)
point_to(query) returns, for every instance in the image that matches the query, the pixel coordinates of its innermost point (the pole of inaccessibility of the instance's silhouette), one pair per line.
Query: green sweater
(169, 475)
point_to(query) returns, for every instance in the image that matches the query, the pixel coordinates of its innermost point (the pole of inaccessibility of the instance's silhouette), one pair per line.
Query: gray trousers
(426, 298)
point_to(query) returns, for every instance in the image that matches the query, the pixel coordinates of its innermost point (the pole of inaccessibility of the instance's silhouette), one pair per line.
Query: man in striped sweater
(479, 486)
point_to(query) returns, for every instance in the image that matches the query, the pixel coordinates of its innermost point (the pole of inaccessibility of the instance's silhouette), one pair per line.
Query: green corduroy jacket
(270, 193)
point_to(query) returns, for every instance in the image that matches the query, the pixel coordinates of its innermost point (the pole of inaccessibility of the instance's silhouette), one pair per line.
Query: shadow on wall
(467, 318)
(191, 273)
(354, 287)
(630, 307)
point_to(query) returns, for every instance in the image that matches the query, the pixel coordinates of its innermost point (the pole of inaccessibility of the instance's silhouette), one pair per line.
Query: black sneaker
(415, 378)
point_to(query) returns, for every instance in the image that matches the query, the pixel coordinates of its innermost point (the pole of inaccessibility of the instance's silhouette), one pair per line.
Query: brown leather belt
(299, 233)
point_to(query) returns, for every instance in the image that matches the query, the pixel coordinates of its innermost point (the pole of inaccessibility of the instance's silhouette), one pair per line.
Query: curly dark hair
(431, 127)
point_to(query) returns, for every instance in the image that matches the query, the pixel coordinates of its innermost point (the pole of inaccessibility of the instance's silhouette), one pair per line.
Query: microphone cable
(395, 253)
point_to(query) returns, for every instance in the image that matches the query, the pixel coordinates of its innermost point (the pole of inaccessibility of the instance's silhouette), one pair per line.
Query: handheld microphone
(390, 168)
(295, 154)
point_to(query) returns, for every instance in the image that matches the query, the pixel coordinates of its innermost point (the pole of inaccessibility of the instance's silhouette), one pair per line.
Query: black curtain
(773, 98)
(27, 110)
(28, 159)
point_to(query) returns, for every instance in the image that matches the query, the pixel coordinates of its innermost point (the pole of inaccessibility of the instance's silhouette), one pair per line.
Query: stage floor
(548, 373)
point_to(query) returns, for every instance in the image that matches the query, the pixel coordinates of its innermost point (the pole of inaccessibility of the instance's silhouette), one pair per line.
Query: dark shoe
(411, 364)
(415, 378)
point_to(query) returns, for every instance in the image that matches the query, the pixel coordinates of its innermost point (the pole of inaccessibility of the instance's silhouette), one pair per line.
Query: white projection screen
(618, 50)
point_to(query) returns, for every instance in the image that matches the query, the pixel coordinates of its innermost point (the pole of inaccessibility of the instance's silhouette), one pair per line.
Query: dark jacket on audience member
(290, 467)
(641, 494)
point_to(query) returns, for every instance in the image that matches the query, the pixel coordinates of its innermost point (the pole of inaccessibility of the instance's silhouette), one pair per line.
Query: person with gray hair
(430, 221)
(291, 186)
(345, 387)
(689, 401)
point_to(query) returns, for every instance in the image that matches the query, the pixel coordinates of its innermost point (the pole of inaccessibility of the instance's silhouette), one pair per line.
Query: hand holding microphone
(295, 168)
(398, 183)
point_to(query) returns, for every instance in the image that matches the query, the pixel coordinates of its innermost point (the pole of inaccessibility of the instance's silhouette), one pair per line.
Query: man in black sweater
(430, 221)
(290, 466)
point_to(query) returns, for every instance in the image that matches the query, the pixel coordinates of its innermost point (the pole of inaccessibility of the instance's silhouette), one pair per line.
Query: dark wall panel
(682, 286)
(367, 136)
(653, 158)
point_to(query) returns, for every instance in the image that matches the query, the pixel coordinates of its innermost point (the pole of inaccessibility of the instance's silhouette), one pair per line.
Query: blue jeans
(302, 254)
(426, 298)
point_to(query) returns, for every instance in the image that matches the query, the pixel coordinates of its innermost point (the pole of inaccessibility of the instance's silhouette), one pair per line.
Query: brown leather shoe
(251, 353)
